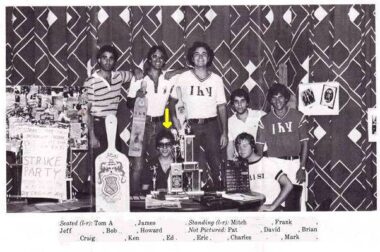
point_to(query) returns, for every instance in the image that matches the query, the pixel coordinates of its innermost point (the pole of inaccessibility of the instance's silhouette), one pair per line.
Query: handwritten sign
(44, 162)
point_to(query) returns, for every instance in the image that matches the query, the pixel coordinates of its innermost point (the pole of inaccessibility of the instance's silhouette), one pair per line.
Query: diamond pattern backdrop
(55, 46)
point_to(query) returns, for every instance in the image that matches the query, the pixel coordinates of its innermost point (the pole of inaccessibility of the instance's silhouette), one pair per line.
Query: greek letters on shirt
(282, 127)
(201, 96)
(200, 91)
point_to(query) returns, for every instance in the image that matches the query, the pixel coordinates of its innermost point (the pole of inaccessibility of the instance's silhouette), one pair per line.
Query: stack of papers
(240, 197)
(151, 203)
(174, 197)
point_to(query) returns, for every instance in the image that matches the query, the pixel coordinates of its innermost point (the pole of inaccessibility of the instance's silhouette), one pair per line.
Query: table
(204, 204)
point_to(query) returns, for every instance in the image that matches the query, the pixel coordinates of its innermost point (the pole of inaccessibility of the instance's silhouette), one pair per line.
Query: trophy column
(185, 177)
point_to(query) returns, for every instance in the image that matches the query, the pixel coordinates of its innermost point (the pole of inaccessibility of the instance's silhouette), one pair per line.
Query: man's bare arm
(170, 74)
(301, 173)
(230, 150)
(286, 187)
(172, 103)
(222, 113)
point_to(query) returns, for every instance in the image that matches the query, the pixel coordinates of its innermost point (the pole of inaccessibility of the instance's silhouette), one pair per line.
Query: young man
(103, 91)
(155, 174)
(204, 97)
(157, 93)
(265, 174)
(244, 119)
(285, 133)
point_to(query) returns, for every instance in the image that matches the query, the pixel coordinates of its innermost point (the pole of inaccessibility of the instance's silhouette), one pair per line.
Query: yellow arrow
(167, 123)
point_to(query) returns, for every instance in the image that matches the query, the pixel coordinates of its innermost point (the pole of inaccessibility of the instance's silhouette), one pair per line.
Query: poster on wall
(372, 125)
(44, 162)
(320, 98)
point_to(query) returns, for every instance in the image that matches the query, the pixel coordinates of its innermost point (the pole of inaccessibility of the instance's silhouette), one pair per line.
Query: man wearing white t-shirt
(244, 120)
(205, 101)
(265, 174)
(157, 93)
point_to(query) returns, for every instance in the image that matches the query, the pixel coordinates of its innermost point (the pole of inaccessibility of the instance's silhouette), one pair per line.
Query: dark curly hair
(278, 89)
(151, 51)
(108, 48)
(197, 44)
(164, 134)
(239, 93)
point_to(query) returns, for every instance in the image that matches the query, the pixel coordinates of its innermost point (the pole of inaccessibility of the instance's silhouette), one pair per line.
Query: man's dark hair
(164, 134)
(276, 89)
(196, 45)
(155, 48)
(108, 48)
(239, 93)
(245, 136)
(151, 51)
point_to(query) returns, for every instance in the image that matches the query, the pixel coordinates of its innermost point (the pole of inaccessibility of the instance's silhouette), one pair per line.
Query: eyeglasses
(164, 145)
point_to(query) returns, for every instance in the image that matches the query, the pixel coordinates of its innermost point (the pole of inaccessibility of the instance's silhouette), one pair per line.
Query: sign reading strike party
(44, 162)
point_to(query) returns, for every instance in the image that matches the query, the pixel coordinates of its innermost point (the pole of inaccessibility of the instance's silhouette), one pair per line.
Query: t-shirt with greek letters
(283, 134)
(201, 96)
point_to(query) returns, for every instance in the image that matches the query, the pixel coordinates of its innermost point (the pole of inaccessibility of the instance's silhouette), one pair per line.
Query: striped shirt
(103, 96)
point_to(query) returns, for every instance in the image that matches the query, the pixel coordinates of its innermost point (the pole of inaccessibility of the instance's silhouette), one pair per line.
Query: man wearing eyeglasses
(155, 175)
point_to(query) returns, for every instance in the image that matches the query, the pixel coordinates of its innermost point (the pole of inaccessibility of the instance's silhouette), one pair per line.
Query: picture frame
(328, 96)
(319, 98)
(372, 125)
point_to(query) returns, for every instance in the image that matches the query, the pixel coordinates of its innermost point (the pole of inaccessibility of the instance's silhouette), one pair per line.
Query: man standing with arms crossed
(285, 133)
(204, 97)
(103, 91)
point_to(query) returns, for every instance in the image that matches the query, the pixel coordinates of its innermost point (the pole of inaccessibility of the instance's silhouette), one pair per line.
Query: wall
(57, 46)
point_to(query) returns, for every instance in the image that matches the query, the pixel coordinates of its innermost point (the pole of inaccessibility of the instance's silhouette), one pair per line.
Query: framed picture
(320, 98)
(328, 96)
(308, 97)
(372, 125)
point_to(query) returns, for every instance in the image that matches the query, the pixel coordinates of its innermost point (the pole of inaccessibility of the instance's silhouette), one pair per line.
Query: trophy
(185, 177)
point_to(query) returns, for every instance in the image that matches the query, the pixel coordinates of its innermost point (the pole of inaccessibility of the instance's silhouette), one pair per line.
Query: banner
(319, 98)
(44, 162)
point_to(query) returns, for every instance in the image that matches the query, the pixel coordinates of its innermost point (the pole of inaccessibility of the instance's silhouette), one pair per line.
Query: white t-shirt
(201, 97)
(237, 126)
(156, 100)
(263, 178)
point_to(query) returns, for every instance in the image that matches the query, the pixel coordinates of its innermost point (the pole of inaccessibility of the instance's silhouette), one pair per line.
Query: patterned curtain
(55, 46)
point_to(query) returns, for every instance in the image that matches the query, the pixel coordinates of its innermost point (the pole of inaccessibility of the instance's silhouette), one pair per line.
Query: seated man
(155, 174)
(265, 174)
